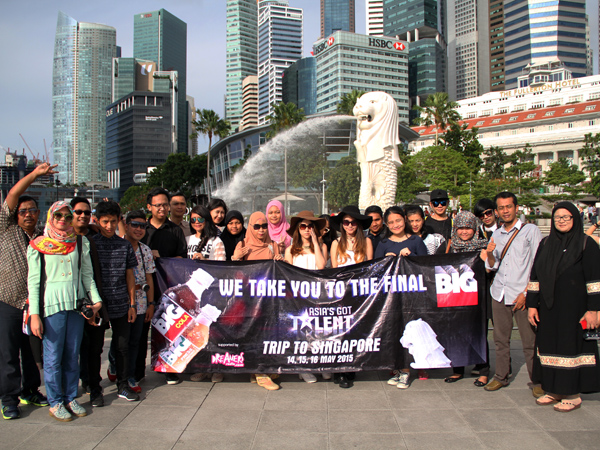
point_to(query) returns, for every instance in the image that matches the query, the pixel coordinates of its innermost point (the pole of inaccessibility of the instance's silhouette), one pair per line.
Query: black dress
(564, 363)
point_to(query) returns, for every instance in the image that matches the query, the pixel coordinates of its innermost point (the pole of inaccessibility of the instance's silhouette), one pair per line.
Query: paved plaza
(236, 414)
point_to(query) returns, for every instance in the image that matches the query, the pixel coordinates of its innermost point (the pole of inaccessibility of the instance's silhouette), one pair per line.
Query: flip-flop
(571, 405)
(547, 400)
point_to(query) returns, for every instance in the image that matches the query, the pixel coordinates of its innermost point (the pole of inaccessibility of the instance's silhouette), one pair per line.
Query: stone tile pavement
(235, 414)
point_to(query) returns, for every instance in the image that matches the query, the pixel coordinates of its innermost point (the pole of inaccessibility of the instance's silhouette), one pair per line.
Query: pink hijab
(279, 231)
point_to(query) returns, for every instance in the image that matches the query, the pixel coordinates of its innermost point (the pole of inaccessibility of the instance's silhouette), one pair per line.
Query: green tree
(134, 198)
(284, 116)
(590, 152)
(211, 125)
(179, 172)
(438, 111)
(442, 168)
(347, 102)
(495, 158)
(343, 183)
(409, 184)
(520, 177)
(567, 176)
(458, 137)
(306, 161)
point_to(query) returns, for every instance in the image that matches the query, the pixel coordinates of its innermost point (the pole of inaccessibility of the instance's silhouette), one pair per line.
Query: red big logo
(455, 287)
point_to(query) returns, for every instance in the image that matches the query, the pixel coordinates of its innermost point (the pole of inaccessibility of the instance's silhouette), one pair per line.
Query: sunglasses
(85, 212)
(440, 202)
(24, 212)
(140, 225)
(257, 226)
(304, 226)
(349, 223)
(486, 213)
(197, 220)
(59, 216)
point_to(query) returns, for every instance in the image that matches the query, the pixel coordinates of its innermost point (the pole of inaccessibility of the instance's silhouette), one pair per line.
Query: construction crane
(36, 158)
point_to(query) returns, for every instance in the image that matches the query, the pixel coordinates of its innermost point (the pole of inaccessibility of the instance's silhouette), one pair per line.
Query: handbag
(592, 335)
(26, 315)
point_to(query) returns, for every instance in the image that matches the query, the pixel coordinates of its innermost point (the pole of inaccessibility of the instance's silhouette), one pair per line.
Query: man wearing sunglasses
(438, 221)
(18, 225)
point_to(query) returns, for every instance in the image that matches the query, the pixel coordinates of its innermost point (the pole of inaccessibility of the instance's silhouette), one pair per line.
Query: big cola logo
(455, 287)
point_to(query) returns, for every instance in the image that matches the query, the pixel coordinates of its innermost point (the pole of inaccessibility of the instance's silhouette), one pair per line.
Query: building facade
(496, 40)
(348, 61)
(241, 58)
(538, 31)
(552, 116)
(300, 84)
(81, 89)
(161, 37)
(249, 102)
(280, 44)
(374, 17)
(337, 15)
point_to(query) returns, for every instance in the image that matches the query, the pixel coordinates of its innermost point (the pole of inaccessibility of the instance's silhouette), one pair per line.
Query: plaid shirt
(13, 258)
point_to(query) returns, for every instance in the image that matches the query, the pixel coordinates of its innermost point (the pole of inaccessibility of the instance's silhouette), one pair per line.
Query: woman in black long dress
(563, 297)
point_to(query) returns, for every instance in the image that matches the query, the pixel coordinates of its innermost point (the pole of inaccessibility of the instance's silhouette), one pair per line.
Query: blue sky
(27, 29)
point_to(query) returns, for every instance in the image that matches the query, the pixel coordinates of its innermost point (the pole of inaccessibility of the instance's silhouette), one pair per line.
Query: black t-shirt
(169, 240)
(443, 227)
(375, 238)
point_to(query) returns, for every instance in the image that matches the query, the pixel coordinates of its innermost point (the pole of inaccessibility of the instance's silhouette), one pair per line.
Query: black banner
(271, 317)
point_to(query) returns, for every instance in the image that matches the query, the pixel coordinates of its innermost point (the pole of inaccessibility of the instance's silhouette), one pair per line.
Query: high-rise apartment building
(421, 23)
(337, 15)
(249, 102)
(468, 48)
(279, 46)
(161, 37)
(81, 90)
(538, 31)
(374, 17)
(300, 84)
(242, 49)
(496, 40)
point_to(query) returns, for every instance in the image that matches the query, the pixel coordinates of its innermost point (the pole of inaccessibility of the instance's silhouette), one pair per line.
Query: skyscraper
(279, 46)
(81, 90)
(538, 31)
(468, 48)
(337, 15)
(496, 27)
(374, 17)
(160, 36)
(242, 29)
(300, 84)
(421, 23)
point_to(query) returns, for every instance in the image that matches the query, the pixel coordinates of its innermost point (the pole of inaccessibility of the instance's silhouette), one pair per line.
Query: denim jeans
(62, 337)
(135, 333)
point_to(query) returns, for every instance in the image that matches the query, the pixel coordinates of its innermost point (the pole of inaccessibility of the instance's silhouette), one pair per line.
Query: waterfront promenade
(235, 414)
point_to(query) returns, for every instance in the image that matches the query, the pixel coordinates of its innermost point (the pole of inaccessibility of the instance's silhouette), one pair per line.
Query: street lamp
(323, 181)
(57, 183)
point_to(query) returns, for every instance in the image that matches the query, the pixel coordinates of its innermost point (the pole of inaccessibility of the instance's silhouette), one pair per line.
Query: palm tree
(284, 116)
(438, 110)
(210, 124)
(347, 102)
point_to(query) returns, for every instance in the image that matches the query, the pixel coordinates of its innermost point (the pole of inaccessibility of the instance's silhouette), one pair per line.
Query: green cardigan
(60, 292)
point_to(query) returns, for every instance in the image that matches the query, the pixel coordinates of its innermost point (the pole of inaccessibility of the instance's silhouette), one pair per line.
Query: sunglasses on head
(140, 225)
(258, 226)
(23, 212)
(197, 220)
(486, 213)
(439, 202)
(85, 212)
(304, 226)
(349, 223)
(58, 216)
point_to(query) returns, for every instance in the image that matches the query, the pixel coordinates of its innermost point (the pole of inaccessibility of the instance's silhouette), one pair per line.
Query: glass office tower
(337, 15)
(81, 90)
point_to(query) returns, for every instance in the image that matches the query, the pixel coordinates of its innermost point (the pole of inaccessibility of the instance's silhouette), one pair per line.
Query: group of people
(75, 279)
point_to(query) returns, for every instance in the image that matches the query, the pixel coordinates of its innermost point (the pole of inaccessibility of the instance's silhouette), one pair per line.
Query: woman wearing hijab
(54, 261)
(466, 238)
(233, 233)
(257, 245)
(563, 299)
(278, 225)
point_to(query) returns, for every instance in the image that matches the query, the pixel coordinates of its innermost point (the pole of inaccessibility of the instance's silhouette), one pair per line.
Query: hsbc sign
(323, 45)
(384, 43)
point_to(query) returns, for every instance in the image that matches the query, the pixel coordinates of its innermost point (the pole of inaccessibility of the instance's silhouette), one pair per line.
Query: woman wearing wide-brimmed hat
(307, 252)
(351, 247)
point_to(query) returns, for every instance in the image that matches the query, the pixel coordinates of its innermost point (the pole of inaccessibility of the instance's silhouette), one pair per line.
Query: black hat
(438, 194)
(354, 212)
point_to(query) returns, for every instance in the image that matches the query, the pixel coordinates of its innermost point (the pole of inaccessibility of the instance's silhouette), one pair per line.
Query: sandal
(479, 383)
(547, 400)
(266, 382)
(423, 375)
(568, 405)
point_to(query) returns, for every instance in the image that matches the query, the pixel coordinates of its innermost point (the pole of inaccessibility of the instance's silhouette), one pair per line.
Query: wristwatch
(150, 304)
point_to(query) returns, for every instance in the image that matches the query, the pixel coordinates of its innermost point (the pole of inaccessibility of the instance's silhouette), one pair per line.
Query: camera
(145, 287)
(82, 307)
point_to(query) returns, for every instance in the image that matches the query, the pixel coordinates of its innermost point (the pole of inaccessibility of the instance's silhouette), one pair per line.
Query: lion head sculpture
(377, 115)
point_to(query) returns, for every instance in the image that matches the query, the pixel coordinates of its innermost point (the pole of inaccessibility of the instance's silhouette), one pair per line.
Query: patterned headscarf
(55, 241)
(466, 219)
(279, 231)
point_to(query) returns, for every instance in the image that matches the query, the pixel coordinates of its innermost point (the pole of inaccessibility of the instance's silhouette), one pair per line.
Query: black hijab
(559, 252)
(230, 240)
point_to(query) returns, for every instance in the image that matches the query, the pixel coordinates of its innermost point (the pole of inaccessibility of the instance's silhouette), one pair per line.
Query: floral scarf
(465, 219)
(55, 241)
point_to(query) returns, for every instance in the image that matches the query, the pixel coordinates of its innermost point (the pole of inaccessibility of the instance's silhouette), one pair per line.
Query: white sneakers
(308, 377)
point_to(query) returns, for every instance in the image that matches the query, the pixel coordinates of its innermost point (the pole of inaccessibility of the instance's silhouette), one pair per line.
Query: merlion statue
(377, 149)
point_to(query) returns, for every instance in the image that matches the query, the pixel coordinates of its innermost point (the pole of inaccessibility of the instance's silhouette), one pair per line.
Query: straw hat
(306, 215)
